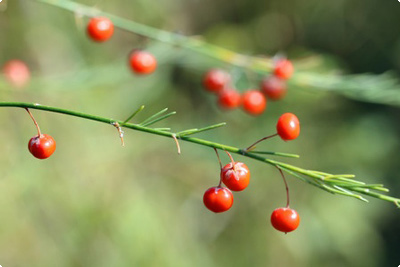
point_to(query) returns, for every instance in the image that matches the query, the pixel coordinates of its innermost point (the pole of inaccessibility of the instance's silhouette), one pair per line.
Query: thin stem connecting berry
(219, 159)
(34, 121)
(262, 139)
(220, 166)
(286, 186)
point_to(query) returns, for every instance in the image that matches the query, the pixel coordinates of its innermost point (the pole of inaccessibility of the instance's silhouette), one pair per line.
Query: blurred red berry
(142, 62)
(273, 87)
(215, 80)
(254, 102)
(16, 72)
(100, 29)
(283, 69)
(229, 99)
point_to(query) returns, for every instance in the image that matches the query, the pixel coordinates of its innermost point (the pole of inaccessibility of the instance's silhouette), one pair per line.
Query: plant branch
(383, 88)
(336, 184)
(195, 44)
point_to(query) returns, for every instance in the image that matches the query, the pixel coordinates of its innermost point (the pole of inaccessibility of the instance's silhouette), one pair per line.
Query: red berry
(215, 80)
(218, 199)
(283, 69)
(16, 72)
(229, 99)
(142, 62)
(288, 126)
(254, 102)
(273, 87)
(236, 178)
(42, 146)
(100, 29)
(285, 219)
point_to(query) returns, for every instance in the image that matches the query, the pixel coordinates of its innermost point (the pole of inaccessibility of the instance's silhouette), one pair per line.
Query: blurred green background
(95, 203)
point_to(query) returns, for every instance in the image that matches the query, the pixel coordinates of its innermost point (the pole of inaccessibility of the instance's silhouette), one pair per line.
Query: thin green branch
(158, 119)
(193, 43)
(383, 88)
(153, 116)
(195, 130)
(337, 184)
(275, 154)
(134, 113)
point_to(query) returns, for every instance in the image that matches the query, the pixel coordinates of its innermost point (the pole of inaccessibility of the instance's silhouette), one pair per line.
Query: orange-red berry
(16, 72)
(283, 69)
(236, 177)
(218, 199)
(288, 126)
(285, 219)
(229, 99)
(215, 80)
(142, 62)
(42, 146)
(100, 29)
(254, 102)
(273, 87)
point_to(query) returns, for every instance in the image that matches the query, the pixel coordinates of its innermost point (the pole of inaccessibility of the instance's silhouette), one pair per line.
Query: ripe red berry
(285, 219)
(273, 87)
(229, 99)
(42, 146)
(283, 69)
(254, 102)
(215, 80)
(236, 178)
(16, 72)
(100, 29)
(142, 62)
(218, 199)
(288, 126)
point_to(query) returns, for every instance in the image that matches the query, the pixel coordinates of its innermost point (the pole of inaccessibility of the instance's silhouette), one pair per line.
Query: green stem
(255, 63)
(335, 184)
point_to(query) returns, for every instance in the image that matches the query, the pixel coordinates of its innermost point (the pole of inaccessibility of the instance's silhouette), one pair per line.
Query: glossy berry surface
(283, 69)
(215, 80)
(142, 62)
(218, 199)
(285, 219)
(274, 88)
(42, 146)
(16, 72)
(254, 102)
(100, 29)
(236, 177)
(288, 126)
(229, 99)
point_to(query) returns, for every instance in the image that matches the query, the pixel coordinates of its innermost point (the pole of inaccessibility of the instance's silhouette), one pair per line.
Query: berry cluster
(254, 102)
(101, 29)
(236, 177)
